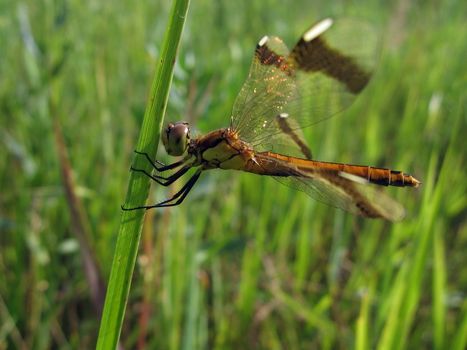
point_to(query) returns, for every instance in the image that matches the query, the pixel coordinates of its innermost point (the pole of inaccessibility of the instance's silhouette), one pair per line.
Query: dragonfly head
(176, 137)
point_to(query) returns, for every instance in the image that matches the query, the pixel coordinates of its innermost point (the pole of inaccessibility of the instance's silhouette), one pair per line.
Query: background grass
(243, 263)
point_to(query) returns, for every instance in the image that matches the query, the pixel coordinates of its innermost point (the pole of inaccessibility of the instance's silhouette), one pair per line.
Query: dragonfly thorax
(176, 137)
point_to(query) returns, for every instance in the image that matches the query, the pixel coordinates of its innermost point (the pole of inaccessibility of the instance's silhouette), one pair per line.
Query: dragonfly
(285, 92)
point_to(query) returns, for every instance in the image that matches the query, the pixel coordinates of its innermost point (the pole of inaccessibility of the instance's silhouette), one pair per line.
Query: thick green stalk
(138, 187)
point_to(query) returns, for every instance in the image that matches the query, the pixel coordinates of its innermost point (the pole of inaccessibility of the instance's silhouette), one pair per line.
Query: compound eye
(175, 138)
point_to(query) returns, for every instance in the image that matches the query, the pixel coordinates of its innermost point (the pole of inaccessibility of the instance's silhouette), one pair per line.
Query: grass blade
(460, 338)
(439, 284)
(138, 187)
(363, 339)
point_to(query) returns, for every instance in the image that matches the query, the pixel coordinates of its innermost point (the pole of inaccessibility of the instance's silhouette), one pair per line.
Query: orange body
(379, 176)
(223, 149)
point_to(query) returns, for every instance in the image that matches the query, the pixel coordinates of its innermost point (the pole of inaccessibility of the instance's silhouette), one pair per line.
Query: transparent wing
(323, 74)
(266, 93)
(345, 192)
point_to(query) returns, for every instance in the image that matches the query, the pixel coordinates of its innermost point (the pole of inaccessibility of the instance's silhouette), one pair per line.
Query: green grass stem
(138, 188)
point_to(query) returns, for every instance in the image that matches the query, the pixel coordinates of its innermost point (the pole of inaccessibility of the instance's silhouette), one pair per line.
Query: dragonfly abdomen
(378, 176)
(381, 176)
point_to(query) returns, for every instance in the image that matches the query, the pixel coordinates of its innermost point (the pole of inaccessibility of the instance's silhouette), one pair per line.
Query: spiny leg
(168, 180)
(162, 167)
(179, 196)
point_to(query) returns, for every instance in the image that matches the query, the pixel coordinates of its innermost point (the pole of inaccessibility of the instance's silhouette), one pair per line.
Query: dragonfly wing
(288, 139)
(265, 94)
(323, 74)
(346, 192)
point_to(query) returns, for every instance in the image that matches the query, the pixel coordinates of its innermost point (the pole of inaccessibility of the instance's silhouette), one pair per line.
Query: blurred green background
(243, 263)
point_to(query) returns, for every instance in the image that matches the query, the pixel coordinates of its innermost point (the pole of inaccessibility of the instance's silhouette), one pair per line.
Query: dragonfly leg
(179, 196)
(162, 166)
(167, 180)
